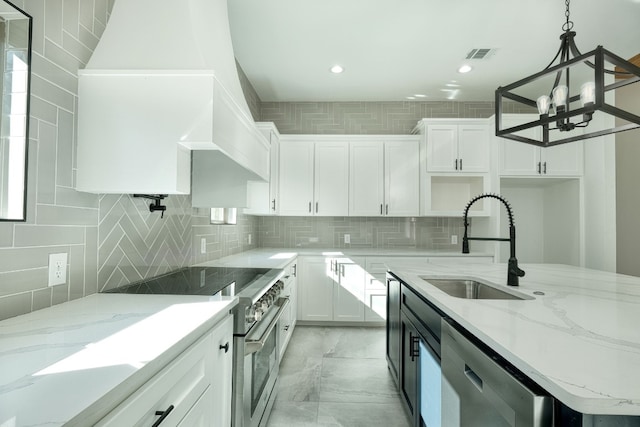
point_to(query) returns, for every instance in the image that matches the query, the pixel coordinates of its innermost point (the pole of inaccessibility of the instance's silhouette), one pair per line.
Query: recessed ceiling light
(419, 95)
(337, 69)
(465, 68)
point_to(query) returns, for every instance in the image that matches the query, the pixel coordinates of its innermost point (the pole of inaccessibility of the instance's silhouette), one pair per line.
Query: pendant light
(558, 110)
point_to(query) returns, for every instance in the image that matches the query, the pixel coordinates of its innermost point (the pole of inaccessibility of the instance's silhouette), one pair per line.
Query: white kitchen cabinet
(262, 197)
(456, 145)
(348, 290)
(314, 177)
(520, 159)
(384, 177)
(315, 289)
(331, 289)
(287, 322)
(195, 388)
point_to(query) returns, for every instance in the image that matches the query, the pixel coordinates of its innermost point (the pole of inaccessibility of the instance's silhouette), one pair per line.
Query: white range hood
(162, 82)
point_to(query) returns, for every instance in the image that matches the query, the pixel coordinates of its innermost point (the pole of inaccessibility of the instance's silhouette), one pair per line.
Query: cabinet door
(274, 177)
(366, 178)
(563, 160)
(262, 197)
(393, 327)
(348, 291)
(331, 179)
(442, 148)
(402, 178)
(222, 361)
(409, 370)
(473, 148)
(296, 177)
(518, 158)
(315, 289)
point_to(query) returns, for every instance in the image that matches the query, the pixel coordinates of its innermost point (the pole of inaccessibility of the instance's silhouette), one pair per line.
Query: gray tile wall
(328, 232)
(369, 117)
(110, 239)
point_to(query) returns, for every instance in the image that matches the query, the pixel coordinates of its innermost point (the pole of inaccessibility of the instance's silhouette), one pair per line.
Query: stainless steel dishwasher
(480, 390)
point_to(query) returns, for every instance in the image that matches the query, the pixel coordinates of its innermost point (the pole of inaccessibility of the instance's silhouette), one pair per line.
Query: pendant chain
(567, 26)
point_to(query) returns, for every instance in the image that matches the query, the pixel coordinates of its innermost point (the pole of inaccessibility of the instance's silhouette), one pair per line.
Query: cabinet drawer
(180, 385)
(424, 315)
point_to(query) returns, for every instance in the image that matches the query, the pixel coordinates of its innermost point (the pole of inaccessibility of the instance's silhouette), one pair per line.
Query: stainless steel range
(255, 368)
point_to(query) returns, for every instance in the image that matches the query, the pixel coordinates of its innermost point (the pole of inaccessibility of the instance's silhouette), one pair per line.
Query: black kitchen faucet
(513, 271)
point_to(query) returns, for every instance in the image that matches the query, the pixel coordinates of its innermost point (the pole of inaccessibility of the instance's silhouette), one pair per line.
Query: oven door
(261, 367)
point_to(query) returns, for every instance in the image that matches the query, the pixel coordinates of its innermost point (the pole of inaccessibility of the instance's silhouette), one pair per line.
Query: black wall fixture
(155, 206)
(574, 70)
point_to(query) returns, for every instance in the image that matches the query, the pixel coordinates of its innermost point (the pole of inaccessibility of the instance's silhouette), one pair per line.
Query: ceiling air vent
(478, 53)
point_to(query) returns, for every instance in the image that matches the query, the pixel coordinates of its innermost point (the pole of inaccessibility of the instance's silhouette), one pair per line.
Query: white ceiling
(391, 49)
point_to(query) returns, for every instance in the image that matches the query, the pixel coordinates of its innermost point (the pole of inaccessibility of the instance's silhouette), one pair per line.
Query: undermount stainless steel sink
(471, 289)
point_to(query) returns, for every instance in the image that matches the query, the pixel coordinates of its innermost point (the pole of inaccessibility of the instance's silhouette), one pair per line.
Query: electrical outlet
(454, 239)
(203, 245)
(249, 239)
(347, 238)
(203, 279)
(57, 269)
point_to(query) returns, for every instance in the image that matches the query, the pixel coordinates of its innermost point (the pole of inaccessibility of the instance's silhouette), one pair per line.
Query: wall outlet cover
(454, 239)
(57, 269)
(347, 238)
(313, 240)
(203, 245)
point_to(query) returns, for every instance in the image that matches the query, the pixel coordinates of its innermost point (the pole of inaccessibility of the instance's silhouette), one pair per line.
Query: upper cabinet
(262, 197)
(384, 177)
(519, 159)
(456, 145)
(314, 177)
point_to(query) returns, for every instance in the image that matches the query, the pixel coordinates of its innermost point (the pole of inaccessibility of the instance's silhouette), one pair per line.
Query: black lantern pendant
(591, 96)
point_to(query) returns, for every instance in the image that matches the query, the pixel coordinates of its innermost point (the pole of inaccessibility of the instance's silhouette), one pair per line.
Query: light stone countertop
(72, 363)
(280, 257)
(580, 341)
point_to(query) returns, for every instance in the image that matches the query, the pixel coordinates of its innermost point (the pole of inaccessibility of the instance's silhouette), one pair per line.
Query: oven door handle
(252, 346)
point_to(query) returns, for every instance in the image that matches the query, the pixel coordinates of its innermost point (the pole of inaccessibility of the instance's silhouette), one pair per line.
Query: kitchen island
(576, 335)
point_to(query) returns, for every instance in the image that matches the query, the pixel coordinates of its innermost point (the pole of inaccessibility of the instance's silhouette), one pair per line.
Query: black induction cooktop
(196, 281)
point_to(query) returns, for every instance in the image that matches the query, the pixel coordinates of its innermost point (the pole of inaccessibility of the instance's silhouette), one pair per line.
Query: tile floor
(336, 376)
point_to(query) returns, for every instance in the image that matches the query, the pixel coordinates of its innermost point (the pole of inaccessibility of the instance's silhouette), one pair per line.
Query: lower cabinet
(192, 390)
(413, 352)
(331, 289)
(287, 321)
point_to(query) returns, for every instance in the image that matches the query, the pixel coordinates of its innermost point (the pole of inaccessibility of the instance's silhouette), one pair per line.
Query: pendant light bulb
(560, 96)
(588, 93)
(543, 102)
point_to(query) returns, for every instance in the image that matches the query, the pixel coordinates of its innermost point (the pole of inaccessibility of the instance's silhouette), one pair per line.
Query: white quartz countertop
(580, 341)
(280, 257)
(72, 363)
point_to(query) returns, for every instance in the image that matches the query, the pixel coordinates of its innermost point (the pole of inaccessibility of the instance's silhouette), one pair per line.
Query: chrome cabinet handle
(225, 347)
(273, 205)
(460, 164)
(545, 167)
(309, 207)
(387, 209)
(342, 269)
(539, 167)
(295, 270)
(316, 207)
(380, 208)
(163, 414)
(456, 164)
